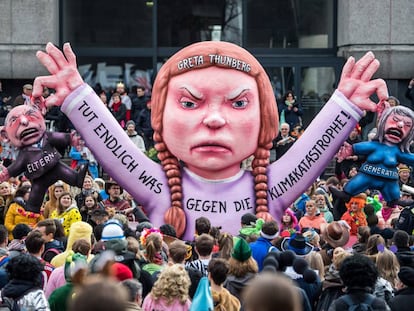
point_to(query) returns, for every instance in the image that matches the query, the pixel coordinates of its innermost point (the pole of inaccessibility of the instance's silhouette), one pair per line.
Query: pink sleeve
(292, 174)
(121, 159)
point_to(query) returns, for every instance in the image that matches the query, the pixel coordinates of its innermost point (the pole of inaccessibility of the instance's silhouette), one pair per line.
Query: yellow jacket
(68, 217)
(16, 214)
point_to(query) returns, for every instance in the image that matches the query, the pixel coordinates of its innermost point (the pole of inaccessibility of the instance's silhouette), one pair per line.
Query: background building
(301, 43)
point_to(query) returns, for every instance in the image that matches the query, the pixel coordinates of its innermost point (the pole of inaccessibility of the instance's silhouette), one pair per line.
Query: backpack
(50, 253)
(8, 304)
(406, 220)
(359, 306)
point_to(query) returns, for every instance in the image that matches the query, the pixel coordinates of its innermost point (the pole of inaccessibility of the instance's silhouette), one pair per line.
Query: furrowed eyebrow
(236, 93)
(193, 93)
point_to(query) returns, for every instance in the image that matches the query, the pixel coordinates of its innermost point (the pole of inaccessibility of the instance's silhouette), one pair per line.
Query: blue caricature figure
(388, 148)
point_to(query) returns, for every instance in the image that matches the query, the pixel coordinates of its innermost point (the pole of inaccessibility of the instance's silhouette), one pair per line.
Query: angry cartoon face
(24, 126)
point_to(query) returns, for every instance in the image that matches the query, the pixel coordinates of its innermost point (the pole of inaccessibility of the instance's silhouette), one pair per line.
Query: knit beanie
(406, 275)
(241, 250)
(121, 272)
(112, 230)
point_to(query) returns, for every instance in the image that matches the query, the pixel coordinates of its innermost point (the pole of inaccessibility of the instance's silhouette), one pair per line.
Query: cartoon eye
(239, 104)
(188, 105)
(12, 120)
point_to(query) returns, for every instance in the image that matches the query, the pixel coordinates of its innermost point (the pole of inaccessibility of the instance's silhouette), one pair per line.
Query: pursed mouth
(211, 147)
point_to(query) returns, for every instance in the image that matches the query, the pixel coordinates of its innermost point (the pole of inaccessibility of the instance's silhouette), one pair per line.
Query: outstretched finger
(70, 56)
(347, 69)
(48, 62)
(362, 65)
(370, 70)
(57, 55)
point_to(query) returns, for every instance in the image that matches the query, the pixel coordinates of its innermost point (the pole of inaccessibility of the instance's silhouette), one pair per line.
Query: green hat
(241, 250)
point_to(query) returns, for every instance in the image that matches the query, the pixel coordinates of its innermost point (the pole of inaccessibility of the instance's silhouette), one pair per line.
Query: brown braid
(259, 165)
(175, 215)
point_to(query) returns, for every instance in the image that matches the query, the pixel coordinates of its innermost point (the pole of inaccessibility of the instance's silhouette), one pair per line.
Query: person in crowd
(170, 291)
(67, 212)
(57, 278)
(342, 168)
(101, 188)
(121, 90)
(218, 270)
(242, 269)
(118, 109)
(363, 233)
(336, 234)
(404, 175)
(250, 227)
(24, 98)
(300, 202)
(289, 223)
(332, 285)
(75, 273)
(387, 213)
(268, 290)
(35, 245)
(6, 197)
(25, 284)
(134, 289)
(405, 290)
(260, 248)
(203, 247)
(355, 216)
(225, 243)
(82, 155)
(151, 242)
(290, 110)
(323, 207)
(90, 205)
(98, 217)
(143, 125)
(393, 101)
(374, 243)
(283, 141)
(79, 230)
(114, 240)
(400, 240)
(88, 188)
(313, 219)
(372, 222)
(409, 93)
(18, 245)
(388, 267)
(17, 213)
(139, 102)
(177, 254)
(134, 136)
(100, 293)
(115, 202)
(53, 247)
(169, 83)
(54, 192)
(359, 275)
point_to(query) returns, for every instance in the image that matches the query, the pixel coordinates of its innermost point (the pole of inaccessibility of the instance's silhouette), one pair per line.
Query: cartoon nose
(24, 120)
(214, 120)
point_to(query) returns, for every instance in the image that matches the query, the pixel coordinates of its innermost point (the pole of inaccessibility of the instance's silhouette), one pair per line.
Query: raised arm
(290, 176)
(120, 158)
